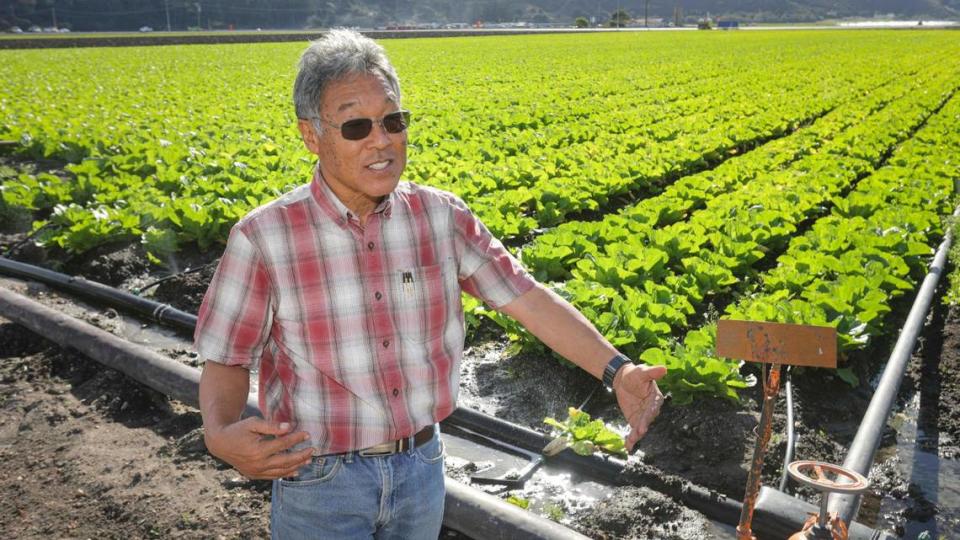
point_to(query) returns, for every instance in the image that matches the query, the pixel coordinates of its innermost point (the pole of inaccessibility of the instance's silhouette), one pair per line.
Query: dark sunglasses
(359, 128)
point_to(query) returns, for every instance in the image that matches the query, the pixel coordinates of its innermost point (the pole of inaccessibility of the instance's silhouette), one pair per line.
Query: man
(346, 294)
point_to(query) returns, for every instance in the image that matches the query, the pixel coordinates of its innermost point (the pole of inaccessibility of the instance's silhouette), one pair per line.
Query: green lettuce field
(657, 180)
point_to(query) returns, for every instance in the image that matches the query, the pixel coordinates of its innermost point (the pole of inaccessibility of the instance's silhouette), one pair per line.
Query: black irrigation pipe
(777, 515)
(167, 376)
(466, 510)
(791, 436)
(606, 469)
(12, 249)
(140, 290)
(99, 292)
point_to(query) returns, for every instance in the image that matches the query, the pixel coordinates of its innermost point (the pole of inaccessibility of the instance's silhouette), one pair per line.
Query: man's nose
(379, 136)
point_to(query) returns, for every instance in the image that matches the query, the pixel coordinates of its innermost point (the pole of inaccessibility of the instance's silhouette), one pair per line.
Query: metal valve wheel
(828, 477)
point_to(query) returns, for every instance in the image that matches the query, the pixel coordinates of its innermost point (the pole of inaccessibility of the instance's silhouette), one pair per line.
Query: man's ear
(309, 135)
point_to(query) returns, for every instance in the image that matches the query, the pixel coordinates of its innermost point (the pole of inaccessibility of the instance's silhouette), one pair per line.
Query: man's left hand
(639, 397)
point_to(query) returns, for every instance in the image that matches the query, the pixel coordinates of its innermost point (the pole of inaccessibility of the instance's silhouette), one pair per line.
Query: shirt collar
(334, 207)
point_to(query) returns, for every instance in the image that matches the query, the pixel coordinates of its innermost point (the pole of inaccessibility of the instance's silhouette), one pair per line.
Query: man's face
(359, 172)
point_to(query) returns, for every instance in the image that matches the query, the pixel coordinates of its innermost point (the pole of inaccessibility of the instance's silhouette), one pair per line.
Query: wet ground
(923, 456)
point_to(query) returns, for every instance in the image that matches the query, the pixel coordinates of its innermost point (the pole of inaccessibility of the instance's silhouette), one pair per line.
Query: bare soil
(88, 453)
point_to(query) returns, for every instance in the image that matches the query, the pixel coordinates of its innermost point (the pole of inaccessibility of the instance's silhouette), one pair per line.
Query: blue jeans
(347, 497)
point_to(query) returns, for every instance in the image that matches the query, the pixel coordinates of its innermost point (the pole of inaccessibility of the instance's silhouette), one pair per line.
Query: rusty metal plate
(778, 343)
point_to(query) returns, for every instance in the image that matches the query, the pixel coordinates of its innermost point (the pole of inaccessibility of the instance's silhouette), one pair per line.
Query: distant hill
(86, 15)
(813, 10)
(749, 10)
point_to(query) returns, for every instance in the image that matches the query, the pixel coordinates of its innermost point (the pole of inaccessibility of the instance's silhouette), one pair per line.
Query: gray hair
(338, 54)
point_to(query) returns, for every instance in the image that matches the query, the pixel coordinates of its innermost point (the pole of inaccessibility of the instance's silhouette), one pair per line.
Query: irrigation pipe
(162, 374)
(479, 515)
(467, 510)
(164, 313)
(12, 249)
(867, 440)
(791, 436)
(609, 470)
(777, 515)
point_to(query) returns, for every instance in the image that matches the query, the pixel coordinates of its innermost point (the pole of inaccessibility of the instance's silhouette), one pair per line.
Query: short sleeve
(487, 270)
(237, 311)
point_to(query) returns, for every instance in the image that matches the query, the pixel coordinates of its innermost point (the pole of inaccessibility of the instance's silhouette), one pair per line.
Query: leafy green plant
(952, 295)
(554, 512)
(159, 243)
(586, 436)
(519, 501)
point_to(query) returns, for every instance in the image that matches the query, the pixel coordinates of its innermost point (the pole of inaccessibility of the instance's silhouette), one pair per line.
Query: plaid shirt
(358, 331)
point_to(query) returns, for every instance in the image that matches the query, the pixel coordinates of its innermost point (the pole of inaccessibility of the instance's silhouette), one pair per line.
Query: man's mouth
(379, 165)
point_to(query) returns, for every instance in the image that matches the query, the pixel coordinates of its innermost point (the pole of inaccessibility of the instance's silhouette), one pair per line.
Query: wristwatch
(613, 366)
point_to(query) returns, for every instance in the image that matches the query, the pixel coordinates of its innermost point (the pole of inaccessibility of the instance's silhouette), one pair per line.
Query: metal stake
(771, 387)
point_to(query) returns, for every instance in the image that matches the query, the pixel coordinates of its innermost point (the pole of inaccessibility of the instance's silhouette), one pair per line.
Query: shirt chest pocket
(421, 298)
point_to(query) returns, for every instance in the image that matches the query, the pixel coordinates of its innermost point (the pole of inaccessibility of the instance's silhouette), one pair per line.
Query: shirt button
(386, 343)
(396, 392)
(370, 246)
(378, 295)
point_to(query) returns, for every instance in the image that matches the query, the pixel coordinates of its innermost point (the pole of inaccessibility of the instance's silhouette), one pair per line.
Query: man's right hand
(258, 449)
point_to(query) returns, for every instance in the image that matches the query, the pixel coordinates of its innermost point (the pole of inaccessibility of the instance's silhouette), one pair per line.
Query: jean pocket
(432, 452)
(318, 471)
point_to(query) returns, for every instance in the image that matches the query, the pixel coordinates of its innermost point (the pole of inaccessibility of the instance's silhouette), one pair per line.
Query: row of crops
(658, 181)
(646, 274)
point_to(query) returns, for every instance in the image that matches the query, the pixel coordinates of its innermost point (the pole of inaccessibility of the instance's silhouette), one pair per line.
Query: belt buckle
(394, 447)
(383, 449)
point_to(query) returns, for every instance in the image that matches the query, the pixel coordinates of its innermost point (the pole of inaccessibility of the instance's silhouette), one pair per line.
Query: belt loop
(348, 457)
(412, 443)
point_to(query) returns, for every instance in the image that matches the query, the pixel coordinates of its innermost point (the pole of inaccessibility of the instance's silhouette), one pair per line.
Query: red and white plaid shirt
(358, 331)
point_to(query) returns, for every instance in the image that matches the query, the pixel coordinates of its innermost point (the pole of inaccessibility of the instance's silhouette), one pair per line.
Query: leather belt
(395, 447)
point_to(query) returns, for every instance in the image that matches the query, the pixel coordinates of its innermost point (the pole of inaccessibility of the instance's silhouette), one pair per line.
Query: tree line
(106, 15)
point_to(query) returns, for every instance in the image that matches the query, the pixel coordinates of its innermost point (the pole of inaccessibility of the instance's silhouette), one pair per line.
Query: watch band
(613, 366)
